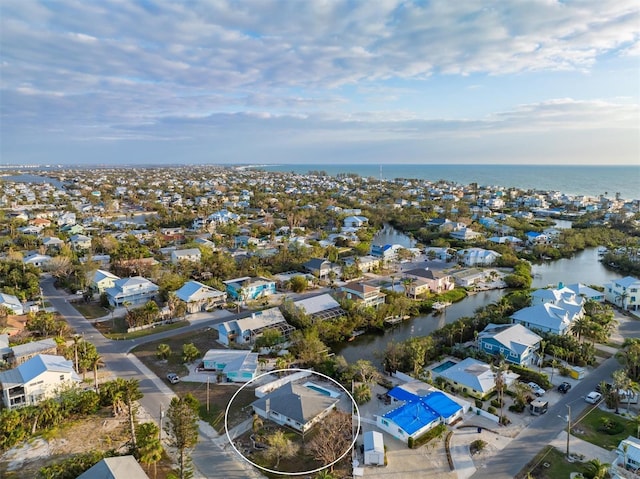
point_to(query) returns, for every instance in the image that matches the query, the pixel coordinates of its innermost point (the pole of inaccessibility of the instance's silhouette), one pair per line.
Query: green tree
(182, 427)
(190, 352)
(280, 447)
(149, 446)
(163, 351)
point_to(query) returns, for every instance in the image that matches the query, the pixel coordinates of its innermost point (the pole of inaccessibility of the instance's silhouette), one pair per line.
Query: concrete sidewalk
(583, 448)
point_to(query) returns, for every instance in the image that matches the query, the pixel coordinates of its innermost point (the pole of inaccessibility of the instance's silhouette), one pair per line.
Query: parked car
(593, 397)
(564, 387)
(173, 378)
(537, 390)
(607, 386)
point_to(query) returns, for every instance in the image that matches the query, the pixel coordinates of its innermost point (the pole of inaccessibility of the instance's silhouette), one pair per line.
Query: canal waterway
(27, 178)
(584, 267)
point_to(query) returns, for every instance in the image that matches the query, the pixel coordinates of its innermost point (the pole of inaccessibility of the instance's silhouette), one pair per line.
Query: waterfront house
(200, 297)
(624, 292)
(355, 222)
(442, 254)
(465, 234)
(295, 405)
(12, 303)
(474, 377)
(586, 292)
(468, 277)
(364, 294)
(436, 281)
(236, 365)
(36, 379)
(245, 331)
(477, 256)
(545, 317)
(246, 288)
(387, 252)
(133, 291)
(534, 238)
(514, 240)
(192, 254)
(515, 343)
(415, 409)
(320, 308)
(102, 280)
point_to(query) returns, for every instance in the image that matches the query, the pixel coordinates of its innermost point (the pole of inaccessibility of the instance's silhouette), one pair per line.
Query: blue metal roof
(441, 404)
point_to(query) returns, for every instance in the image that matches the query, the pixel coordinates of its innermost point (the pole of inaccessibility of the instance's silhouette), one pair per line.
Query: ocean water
(574, 180)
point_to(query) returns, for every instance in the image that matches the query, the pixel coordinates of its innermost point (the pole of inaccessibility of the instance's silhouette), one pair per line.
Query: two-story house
(624, 292)
(133, 291)
(428, 279)
(515, 343)
(191, 254)
(200, 297)
(364, 294)
(246, 288)
(36, 379)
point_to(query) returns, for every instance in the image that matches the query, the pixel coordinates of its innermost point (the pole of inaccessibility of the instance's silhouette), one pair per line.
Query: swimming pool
(444, 366)
(321, 390)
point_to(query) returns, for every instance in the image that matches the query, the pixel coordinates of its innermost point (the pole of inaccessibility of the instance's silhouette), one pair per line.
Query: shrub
(504, 420)
(491, 410)
(516, 407)
(477, 446)
(479, 404)
(611, 427)
(496, 403)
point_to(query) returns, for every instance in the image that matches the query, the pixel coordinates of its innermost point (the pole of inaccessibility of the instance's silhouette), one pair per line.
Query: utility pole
(568, 428)
(160, 429)
(207, 393)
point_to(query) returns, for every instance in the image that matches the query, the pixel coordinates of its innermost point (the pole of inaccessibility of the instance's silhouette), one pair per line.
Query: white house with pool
(297, 405)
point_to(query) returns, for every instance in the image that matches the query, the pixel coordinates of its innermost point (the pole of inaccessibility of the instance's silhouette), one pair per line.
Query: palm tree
(621, 382)
(163, 351)
(499, 372)
(543, 345)
(597, 469)
(580, 327)
(95, 362)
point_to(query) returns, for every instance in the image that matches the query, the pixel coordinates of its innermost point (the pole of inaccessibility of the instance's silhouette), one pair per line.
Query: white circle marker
(355, 438)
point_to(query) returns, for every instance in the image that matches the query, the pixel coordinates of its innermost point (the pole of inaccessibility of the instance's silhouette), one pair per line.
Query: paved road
(515, 456)
(209, 460)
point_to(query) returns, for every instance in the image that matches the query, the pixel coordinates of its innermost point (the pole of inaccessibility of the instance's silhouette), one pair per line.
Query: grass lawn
(590, 429)
(550, 463)
(117, 328)
(219, 394)
(91, 310)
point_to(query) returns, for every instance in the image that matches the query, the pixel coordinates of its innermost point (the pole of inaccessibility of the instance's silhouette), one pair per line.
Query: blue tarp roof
(419, 411)
(412, 417)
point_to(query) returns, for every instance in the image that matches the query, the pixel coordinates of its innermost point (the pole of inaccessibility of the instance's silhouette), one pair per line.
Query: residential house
(355, 221)
(21, 353)
(514, 240)
(191, 254)
(465, 234)
(236, 365)
(467, 277)
(80, 242)
(624, 292)
(246, 288)
(245, 331)
(117, 467)
(534, 238)
(134, 291)
(52, 243)
(515, 343)
(415, 409)
(387, 252)
(102, 280)
(38, 260)
(474, 377)
(545, 317)
(436, 281)
(296, 405)
(477, 256)
(320, 267)
(200, 297)
(586, 292)
(442, 254)
(363, 294)
(627, 463)
(12, 303)
(36, 379)
(320, 308)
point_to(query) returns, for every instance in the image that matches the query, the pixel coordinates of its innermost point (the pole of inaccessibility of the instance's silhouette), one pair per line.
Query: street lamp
(568, 428)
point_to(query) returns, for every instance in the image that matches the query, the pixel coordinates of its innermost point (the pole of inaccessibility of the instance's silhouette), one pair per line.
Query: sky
(319, 81)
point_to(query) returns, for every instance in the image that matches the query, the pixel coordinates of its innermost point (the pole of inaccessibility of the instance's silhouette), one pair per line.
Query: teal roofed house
(247, 288)
(515, 343)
